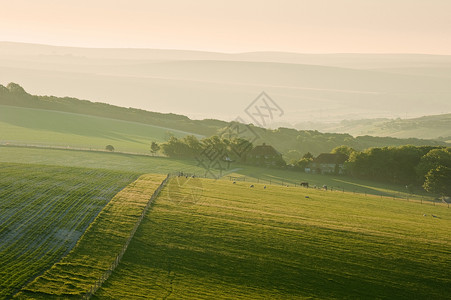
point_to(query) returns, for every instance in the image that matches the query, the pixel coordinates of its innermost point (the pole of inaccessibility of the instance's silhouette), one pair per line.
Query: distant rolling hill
(436, 127)
(309, 87)
(55, 128)
(25, 118)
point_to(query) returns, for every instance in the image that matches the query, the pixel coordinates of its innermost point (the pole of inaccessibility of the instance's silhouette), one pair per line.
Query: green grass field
(59, 129)
(100, 160)
(163, 165)
(43, 212)
(44, 127)
(237, 242)
(98, 247)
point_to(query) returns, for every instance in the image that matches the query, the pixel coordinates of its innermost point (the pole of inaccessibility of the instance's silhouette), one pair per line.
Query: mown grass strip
(119, 256)
(98, 247)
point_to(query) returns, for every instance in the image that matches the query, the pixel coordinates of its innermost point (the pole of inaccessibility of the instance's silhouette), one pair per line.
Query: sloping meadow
(43, 212)
(99, 247)
(234, 241)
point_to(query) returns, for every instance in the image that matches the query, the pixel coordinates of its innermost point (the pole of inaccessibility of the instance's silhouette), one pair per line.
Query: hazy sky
(310, 26)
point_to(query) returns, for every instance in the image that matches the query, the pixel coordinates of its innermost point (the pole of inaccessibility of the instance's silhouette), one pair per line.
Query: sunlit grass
(99, 245)
(45, 127)
(43, 212)
(239, 242)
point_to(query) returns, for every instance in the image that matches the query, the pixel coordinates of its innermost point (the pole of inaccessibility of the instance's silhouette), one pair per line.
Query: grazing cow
(234, 182)
(304, 184)
(264, 187)
(252, 186)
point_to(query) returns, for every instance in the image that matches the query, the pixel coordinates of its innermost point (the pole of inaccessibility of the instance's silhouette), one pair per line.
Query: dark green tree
(175, 147)
(238, 148)
(431, 160)
(154, 148)
(346, 150)
(308, 156)
(194, 145)
(292, 156)
(438, 181)
(302, 164)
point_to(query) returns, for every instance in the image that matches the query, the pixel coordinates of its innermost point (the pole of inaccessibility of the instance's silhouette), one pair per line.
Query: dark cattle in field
(252, 186)
(304, 184)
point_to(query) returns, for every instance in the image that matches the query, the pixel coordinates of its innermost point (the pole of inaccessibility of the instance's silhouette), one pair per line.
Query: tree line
(231, 149)
(426, 166)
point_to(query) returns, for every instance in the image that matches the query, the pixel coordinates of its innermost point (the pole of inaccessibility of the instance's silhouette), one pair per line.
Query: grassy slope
(161, 165)
(92, 133)
(236, 242)
(43, 212)
(28, 125)
(99, 245)
(334, 182)
(101, 160)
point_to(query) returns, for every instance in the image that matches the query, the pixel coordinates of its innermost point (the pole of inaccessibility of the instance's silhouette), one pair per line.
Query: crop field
(232, 241)
(98, 247)
(44, 127)
(43, 212)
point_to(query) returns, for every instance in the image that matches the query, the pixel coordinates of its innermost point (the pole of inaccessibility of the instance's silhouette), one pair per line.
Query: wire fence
(395, 195)
(118, 258)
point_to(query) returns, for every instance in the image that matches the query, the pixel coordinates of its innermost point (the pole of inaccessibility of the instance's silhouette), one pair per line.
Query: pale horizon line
(216, 51)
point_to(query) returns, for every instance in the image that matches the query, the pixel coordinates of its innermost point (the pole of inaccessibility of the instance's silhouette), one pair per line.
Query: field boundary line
(7, 144)
(395, 195)
(95, 287)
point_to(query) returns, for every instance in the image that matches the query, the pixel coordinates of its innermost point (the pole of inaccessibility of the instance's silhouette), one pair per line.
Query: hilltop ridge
(291, 142)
